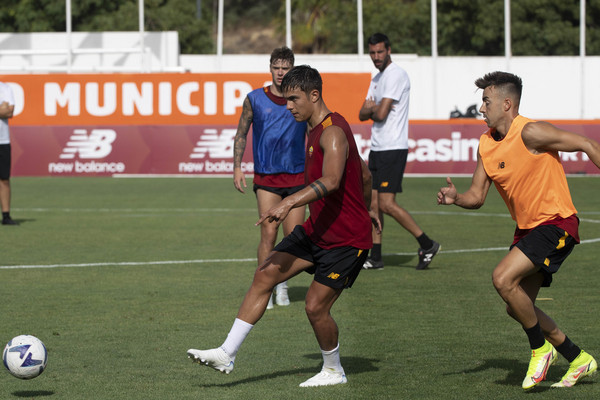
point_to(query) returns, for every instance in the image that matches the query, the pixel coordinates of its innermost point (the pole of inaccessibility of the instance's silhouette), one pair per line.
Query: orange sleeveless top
(533, 186)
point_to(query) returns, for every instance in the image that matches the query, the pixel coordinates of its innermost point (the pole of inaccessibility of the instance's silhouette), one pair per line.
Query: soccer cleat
(372, 264)
(9, 221)
(281, 298)
(584, 365)
(326, 377)
(270, 303)
(426, 256)
(541, 360)
(214, 358)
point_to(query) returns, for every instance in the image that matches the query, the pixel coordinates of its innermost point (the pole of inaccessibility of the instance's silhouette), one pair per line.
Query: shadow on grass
(33, 393)
(352, 365)
(297, 293)
(21, 221)
(516, 372)
(397, 260)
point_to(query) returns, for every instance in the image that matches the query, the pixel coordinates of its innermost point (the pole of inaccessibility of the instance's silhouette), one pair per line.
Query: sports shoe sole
(225, 369)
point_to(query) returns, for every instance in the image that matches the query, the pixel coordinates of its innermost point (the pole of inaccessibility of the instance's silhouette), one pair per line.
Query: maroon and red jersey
(340, 218)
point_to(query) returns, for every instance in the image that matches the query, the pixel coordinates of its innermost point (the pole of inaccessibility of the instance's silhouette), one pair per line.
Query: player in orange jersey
(520, 156)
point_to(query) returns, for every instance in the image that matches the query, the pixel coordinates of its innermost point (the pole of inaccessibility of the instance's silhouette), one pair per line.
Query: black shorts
(547, 246)
(282, 192)
(336, 268)
(387, 168)
(5, 161)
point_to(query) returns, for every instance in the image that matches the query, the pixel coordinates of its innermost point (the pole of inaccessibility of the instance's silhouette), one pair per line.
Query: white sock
(331, 359)
(236, 337)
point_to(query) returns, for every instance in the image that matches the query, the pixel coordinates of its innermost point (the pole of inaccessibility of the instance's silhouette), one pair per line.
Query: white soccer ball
(25, 357)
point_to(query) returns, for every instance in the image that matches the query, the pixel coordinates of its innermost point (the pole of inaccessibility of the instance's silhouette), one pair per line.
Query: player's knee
(310, 310)
(313, 310)
(502, 282)
(264, 276)
(386, 207)
(268, 237)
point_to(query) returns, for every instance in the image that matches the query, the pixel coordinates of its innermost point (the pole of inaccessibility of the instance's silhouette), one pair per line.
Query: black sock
(376, 252)
(424, 242)
(535, 336)
(568, 349)
(5, 215)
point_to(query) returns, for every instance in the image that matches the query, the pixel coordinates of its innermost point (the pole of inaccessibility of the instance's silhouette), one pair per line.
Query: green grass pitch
(119, 277)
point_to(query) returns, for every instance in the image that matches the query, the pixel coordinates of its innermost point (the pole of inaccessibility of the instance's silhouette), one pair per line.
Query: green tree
(465, 27)
(545, 27)
(470, 28)
(407, 23)
(32, 16)
(321, 26)
(592, 42)
(195, 35)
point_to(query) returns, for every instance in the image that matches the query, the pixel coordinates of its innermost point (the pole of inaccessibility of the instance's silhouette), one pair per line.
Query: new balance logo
(213, 145)
(98, 144)
(333, 275)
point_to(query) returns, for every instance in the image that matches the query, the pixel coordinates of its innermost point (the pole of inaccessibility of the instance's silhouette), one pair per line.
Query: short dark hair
(284, 54)
(378, 38)
(303, 77)
(506, 81)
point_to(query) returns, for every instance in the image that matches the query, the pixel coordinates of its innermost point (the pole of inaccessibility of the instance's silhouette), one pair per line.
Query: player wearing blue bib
(278, 152)
(277, 139)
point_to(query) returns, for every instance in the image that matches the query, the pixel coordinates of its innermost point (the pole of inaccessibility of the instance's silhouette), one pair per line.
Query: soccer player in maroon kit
(332, 244)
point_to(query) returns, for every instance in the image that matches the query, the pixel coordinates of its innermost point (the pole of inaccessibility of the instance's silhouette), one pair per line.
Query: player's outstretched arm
(472, 198)
(542, 136)
(239, 145)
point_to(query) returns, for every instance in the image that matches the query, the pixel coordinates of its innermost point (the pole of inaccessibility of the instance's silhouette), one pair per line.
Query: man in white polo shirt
(387, 106)
(7, 107)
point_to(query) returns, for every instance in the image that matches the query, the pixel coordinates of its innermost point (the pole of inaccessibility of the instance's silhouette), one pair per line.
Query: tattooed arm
(239, 145)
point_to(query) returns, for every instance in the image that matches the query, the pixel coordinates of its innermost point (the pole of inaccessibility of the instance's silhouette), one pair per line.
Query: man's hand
(276, 214)
(447, 195)
(239, 179)
(375, 220)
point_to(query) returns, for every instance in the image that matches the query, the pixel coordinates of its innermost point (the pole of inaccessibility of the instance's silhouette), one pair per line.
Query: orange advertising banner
(185, 124)
(157, 99)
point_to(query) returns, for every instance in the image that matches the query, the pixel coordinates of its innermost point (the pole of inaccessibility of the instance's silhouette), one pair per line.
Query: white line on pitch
(131, 210)
(106, 264)
(505, 248)
(226, 210)
(135, 263)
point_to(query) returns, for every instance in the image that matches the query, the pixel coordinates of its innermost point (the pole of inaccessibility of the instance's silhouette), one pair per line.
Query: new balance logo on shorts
(98, 144)
(333, 276)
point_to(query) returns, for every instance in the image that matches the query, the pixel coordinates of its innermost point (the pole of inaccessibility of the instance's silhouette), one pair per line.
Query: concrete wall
(89, 52)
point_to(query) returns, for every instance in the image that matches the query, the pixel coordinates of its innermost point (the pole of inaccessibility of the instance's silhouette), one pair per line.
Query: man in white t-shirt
(7, 106)
(387, 106)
